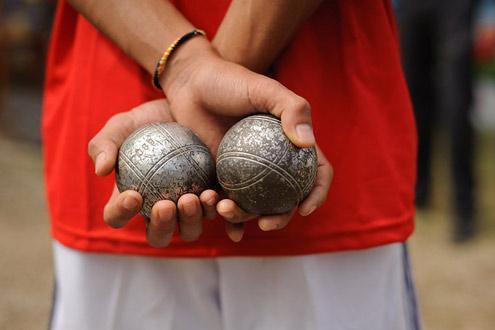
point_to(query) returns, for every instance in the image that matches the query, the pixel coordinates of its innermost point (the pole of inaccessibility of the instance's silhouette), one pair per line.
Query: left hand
(190, 210)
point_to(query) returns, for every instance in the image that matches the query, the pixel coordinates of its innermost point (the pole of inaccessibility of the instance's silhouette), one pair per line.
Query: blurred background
(449, 58)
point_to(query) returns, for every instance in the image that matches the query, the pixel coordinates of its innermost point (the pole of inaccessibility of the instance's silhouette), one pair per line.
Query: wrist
(182, 62)
(228, 52)
(240, 53)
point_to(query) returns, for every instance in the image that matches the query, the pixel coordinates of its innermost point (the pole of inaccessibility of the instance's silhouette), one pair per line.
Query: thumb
(270, 96)
(104, 146)
(103, 152)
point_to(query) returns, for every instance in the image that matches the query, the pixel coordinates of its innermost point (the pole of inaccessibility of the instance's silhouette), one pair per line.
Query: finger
(235, 231)
(269, 95)
(122, 207)
(209, 199)
(190, 217)
(229, 210)
(104, 146)
(319, 193)
(162, 224)
(275, 222)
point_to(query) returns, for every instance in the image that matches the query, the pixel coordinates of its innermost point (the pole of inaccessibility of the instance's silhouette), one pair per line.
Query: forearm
(254, 32)
(142, 29)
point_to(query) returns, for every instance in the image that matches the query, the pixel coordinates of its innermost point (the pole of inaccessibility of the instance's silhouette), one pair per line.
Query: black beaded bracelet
(160, 66)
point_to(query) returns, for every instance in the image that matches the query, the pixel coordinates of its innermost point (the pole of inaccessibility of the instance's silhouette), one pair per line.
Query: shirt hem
(333, 242)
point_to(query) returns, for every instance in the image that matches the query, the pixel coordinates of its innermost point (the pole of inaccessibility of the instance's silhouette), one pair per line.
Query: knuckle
(274, 84)
(117, 119)
(301, 106)
(95, 142)
(121, 122)
(260, 83)
(93, 146)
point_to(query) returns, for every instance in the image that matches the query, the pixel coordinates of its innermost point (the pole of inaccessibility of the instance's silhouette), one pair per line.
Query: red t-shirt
(344, 61)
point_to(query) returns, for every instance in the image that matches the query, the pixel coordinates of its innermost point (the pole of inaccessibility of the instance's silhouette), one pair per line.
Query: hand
(209, 94)
(189, 211)
(235, 217)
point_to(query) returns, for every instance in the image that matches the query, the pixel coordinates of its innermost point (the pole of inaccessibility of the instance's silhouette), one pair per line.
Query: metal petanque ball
(261, 170)
(164, 161)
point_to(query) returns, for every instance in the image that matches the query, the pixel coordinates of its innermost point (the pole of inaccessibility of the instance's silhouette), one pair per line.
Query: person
(327, 69)
(437, 47)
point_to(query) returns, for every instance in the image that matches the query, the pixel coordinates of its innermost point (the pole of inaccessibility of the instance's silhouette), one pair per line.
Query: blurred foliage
(484, 51)
(484, 39)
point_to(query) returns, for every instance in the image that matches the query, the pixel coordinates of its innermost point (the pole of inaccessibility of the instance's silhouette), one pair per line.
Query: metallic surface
(261, 170)
(164, 161)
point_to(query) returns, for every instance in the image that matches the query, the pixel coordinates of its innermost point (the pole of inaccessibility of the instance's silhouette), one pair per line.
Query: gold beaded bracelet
(160, 66)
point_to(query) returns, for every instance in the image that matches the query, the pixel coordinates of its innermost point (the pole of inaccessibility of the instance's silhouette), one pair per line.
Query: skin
(254, 32)
(207, 92)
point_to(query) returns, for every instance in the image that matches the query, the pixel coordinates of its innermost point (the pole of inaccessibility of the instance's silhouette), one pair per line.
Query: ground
(456, 284)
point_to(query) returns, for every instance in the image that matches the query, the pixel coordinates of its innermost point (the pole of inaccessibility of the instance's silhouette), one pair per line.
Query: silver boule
(261, 170)
(164, 161)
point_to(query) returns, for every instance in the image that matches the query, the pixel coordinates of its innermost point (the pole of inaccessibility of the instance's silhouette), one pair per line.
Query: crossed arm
(207, 92)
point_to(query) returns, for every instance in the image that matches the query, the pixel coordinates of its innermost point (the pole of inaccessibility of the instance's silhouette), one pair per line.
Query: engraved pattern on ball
(261, 170)
(164, 161)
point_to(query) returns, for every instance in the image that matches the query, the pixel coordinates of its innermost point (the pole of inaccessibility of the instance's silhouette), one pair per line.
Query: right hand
(208, 94)
(190, 210)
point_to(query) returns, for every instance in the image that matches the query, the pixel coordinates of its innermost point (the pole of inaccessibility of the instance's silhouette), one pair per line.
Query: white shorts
(368, 289)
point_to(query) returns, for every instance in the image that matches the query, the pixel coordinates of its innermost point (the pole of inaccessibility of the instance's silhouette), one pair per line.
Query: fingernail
(267, 225)
(237, 238)
(305, 134)
(310, 210)
(100, 159)
(130, 204)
